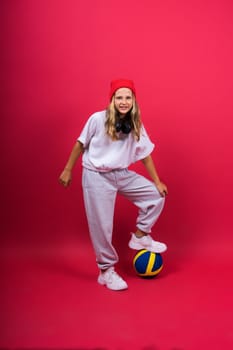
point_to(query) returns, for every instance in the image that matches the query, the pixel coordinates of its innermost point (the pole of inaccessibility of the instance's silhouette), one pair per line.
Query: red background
(57, 61)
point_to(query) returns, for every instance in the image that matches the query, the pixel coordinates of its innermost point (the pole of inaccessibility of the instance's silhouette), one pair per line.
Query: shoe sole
(136, 246)
(103, 283)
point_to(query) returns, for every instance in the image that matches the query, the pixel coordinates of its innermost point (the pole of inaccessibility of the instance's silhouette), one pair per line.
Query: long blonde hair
(135, 118)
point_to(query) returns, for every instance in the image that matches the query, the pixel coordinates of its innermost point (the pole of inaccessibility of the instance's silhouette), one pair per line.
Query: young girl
(110, 141)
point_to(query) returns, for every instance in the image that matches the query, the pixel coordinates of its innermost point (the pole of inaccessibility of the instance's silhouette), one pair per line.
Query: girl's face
(123, 100)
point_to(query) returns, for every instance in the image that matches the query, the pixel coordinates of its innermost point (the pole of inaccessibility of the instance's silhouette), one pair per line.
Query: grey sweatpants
(100, 190)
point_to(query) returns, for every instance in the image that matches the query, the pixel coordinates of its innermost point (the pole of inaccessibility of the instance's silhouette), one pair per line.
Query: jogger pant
(100, 190)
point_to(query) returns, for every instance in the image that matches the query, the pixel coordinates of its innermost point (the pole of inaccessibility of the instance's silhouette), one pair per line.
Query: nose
(124, 101)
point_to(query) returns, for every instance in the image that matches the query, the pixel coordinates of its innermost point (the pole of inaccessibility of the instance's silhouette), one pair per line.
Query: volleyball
(147, 264)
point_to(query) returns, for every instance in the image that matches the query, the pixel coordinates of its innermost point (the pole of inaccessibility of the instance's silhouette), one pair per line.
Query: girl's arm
(66, 176)
(150, 167)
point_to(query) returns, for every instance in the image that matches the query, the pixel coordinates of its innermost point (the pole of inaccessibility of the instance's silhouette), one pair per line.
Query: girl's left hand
(162, 188)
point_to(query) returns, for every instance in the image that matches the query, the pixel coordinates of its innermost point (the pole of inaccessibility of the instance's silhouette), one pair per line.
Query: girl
(110, 141)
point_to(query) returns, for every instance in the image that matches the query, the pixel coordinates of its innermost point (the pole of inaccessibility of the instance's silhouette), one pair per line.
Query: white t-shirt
(103, 154)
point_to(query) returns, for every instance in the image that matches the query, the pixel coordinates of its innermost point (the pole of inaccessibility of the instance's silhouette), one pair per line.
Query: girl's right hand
(65, 177)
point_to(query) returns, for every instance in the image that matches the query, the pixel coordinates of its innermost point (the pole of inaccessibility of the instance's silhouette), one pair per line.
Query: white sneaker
(112, 280)
(146, 242)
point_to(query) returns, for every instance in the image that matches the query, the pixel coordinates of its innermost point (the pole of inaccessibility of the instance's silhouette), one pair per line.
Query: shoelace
(114, 274)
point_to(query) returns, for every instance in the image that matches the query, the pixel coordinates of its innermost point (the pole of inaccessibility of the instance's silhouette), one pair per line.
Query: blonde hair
(135, 118)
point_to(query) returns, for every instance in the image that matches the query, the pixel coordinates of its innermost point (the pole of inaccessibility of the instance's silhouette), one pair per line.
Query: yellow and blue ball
(147, 264)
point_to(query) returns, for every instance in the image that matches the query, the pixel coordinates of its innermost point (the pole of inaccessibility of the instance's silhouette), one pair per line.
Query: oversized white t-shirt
(103, 154)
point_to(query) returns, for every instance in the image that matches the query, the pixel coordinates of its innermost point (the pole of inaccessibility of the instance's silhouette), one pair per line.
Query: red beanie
(121, 83)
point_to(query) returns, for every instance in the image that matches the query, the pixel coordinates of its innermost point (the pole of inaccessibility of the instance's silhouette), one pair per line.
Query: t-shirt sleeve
(88, 131)
(144, 146)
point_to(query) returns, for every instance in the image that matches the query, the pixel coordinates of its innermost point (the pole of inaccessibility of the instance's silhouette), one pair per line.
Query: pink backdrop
(57, 62)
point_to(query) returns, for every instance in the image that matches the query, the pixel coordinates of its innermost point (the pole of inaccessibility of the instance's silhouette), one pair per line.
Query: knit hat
(121, 83)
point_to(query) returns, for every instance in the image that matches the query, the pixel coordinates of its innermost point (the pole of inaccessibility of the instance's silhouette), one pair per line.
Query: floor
(51, 300)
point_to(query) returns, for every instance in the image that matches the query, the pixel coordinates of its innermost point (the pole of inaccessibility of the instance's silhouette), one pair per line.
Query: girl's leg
(144, 194)
(99, 199)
